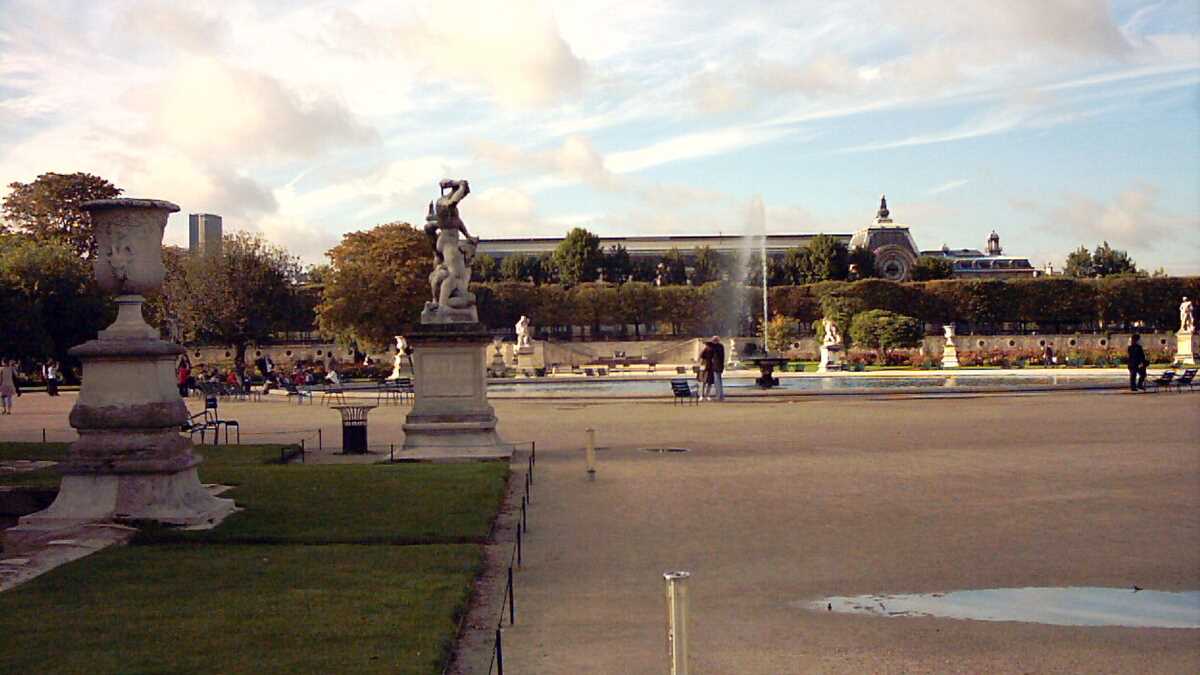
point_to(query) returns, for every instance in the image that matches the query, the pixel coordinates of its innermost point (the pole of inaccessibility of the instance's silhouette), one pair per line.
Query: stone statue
(832, 336)
(450, 280)
(523, 332)
(1187, 318)
(401, 352)
(949, 351)
(948, 329)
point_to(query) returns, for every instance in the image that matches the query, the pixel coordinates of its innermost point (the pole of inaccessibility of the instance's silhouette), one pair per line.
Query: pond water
(1069, 606)
(603, 386)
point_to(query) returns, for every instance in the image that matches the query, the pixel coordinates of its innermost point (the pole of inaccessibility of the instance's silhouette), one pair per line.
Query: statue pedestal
(1185, 351)
(949, 356)
(831, 358)
(531, 356)
(451, 418)
(130, 462)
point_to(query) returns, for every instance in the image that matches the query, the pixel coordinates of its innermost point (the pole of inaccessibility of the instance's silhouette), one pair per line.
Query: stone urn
(131, 462)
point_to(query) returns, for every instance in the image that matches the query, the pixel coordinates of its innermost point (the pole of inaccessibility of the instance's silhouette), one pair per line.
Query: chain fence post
(677, 614)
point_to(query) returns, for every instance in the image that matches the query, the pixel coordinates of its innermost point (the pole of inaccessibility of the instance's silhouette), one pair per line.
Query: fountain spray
(758, 224)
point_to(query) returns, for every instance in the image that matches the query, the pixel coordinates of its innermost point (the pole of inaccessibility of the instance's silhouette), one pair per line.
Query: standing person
(718, 363)
(706, 371)
(50, 374)
(1048, 355)
(261, 364)
(1137, 364)
(8, 385)
(184, 377)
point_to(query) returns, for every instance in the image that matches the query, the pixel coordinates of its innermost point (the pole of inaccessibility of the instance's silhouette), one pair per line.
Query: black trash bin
(354, 427)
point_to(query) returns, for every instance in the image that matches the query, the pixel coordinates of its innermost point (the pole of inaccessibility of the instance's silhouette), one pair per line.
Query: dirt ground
(779, 502)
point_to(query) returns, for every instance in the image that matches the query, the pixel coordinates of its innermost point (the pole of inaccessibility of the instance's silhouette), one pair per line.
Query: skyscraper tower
(204, 234)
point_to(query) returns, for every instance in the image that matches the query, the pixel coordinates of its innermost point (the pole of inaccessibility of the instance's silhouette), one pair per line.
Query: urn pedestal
(451, 419)
(949, 356)
(1185, 352)
(131, 462)
(831, 358)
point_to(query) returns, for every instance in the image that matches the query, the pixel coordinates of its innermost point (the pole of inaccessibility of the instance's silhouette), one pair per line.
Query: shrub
(884, 331)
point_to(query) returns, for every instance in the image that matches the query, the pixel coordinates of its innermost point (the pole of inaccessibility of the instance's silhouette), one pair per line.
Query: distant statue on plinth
(402, 351)
(523, 332)
(1185, 339)
(949, 351)
(831, 347)
(449, 283)
(1187, 317)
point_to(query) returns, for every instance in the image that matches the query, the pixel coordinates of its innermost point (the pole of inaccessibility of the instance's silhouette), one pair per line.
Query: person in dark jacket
(1137, 364)
(712, 359)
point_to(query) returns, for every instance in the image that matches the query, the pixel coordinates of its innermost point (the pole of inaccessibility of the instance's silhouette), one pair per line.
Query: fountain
(766, 364)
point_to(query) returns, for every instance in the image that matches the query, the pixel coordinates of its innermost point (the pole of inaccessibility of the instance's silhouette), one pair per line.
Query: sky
(1054, 122)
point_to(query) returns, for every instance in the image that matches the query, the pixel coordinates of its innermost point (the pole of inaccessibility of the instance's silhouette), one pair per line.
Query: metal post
(524, 509)
(392, 453)
(320, 441)
(590, 453)
(533, 451)
(512, 600)
(518, 544)
(677, 611)
(499, 654)
(43, 435)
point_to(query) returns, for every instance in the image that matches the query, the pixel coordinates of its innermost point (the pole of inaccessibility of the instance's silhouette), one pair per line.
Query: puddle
(1072, 606)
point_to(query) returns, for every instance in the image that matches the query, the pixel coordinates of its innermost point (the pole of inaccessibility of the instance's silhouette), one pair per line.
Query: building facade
(204, 234)
(895, 250)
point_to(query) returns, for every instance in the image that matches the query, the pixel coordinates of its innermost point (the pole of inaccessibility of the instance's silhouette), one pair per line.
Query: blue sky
(1054, 122)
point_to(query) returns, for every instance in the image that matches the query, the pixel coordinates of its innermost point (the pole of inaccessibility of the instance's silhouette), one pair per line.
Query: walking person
(718, 365)
(50, 374)
(1137, 364)
(8, 385)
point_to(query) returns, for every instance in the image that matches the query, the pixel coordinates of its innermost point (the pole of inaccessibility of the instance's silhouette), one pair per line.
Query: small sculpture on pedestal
(949, 351)
(523, 333)
(402, 351)
(831, 347)
(1185, 339)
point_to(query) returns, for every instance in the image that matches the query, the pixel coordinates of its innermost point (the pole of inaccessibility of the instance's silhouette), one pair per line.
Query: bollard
(499, 654)
(320, 442)
(43, 435)
(590, 453)
(512, 600)
(677, 611)
(518, 544)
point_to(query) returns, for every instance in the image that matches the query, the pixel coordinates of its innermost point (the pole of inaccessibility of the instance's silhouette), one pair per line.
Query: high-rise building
(204, 234)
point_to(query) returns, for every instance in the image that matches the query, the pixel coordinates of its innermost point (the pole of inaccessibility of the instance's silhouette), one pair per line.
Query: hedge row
(1051, 304)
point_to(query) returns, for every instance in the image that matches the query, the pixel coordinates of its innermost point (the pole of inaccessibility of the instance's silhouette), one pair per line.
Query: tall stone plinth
(131, 462)
(451, 418)
(949, 356)
(1185, 351)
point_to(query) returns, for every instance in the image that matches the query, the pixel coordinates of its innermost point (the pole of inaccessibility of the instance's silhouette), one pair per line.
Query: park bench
(1163, 380)
(1185, 380)
(682, 392)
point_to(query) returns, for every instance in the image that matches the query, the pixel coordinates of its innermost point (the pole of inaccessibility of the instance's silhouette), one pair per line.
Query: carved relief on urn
(129, 235)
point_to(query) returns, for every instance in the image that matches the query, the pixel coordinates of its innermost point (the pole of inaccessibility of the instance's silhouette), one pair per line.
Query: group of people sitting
(239, 379)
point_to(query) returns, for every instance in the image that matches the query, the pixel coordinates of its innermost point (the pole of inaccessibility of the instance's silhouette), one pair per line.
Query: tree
(240, 297)
(861, 262)
(841, 309)
(882, 331)
(674, 267)
(526, 268)
(929, 268)
(638, 304)
(485, 268)
(49, 300)
(596, 303)
(578, 257)
(706, 265)
(826, 260)
(1108, 261)
(1079, 264)
(617, 265)
(678, 305)
(48, 208)
(781, 332)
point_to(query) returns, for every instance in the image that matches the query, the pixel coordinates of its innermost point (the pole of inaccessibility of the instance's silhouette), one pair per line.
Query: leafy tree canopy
(48, 208)
(578, 257)
(929, 268)
(883, 331)
(1105, 261)
(378, 282)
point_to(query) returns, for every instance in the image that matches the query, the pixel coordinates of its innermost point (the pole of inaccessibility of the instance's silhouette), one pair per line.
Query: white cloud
(691, 146)
(948, 186)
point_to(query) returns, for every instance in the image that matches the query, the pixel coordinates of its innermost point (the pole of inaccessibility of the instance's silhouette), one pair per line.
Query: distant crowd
(265, 375)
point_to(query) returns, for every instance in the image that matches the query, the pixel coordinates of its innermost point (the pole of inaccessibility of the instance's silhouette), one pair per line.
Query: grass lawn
(241, 609)
(311, 577)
